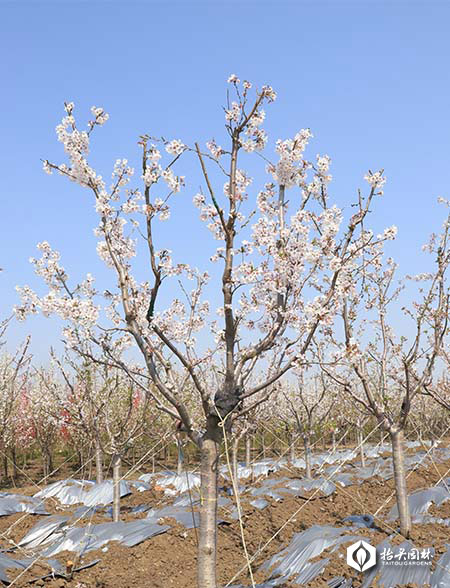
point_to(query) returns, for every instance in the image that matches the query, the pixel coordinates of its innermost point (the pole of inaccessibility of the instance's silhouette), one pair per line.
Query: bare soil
(170, 559)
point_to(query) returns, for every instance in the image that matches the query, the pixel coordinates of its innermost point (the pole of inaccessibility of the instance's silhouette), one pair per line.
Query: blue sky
(371, 80)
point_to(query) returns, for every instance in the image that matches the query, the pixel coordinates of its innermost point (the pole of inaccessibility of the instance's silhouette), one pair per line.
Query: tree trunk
(79, 460)
(98, 462)
(234, 459)
(207, 545)
(400, 483)
(50, 462)
(361, 446)
(116, 463)
(46, 462)
(263, 439)
(14, 462)
(5, 466)
(248, 450)
(307, 456)
(292, 448)
(180, 457)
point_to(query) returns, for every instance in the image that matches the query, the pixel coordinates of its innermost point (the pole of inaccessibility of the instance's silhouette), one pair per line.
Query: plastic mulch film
(420, 501)
(322, 484)
(360, 521)
(176, 484)
(184, 517)
(140, 485)
(441, 574)
(340, 582)
(390, 576)
(12, 503)
(259, 503)
(8, 563)
(66, 491)
(294, 559)
(103, 493)
(44, 531)
(83, 539)
(85, 492)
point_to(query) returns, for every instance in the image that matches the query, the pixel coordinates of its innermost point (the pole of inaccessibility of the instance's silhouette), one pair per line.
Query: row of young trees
(94, 414)
(306, 292)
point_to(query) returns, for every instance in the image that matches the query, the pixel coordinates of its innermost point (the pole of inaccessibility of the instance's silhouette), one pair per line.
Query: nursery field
(294, 529)
(248, 384)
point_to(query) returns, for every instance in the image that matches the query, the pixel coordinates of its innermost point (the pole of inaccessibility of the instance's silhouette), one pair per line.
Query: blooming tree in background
(286, 268)
(309, 404)
(384, 372)
(13, 379)
(102, 403)
(40, 415)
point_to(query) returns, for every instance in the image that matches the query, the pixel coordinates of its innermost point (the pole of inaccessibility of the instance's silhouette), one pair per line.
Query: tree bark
(234, 459)
(207, 546)
(306, 443)
(50, 461)
(360, 442)
(98, 462)
(5, 466)
(400, 483)
(292, 448)
(180, 457)
(248, 450)
(116, 463)
(14, 462)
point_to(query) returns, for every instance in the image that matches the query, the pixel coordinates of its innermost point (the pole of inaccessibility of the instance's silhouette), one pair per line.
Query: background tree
(383, 372)
(13, 379)
(309, 403)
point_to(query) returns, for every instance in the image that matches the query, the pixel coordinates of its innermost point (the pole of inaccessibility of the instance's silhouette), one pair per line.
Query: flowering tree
(13, 378)
(309, 405)
(104, 404)
(286, 267)
(40, 416)
(384, 372)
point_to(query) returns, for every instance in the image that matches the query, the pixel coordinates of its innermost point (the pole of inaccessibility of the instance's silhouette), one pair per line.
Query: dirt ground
(170, 559)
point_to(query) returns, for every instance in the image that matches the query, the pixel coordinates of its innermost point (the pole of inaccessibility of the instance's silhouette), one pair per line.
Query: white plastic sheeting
(85, 492)
(420, 501)
(259, 503)
(172, 482)
(140, 485)
(441, 575)
(43, 532)
(66, 491)
(360, 521)
(294, 559)
(83, 539)
(340, 582)
(256, 469)
(103, 493)
(187, 518)
(8, 563)
(12, 503)
(396, 575)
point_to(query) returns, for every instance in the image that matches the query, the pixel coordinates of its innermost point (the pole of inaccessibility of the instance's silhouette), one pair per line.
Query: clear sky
(371, 79)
